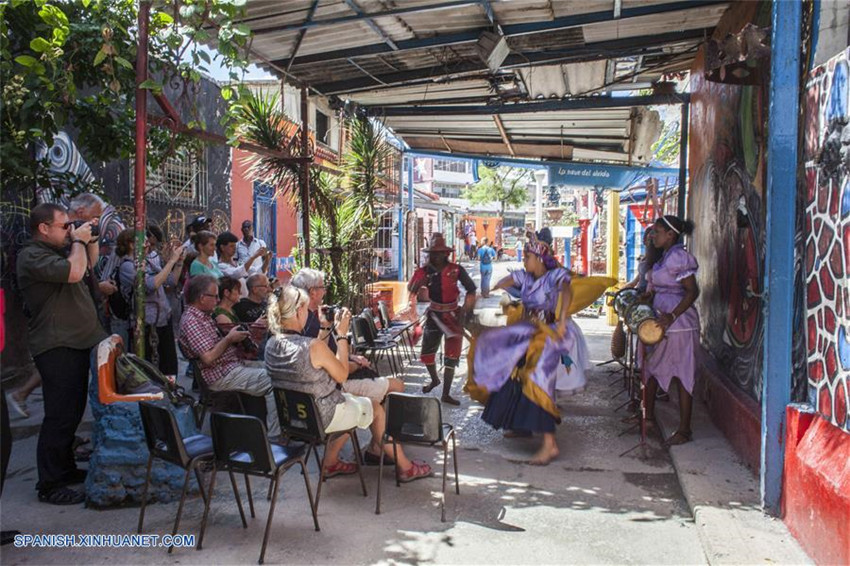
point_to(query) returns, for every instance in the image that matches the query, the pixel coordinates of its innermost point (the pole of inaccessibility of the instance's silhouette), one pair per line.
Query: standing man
(519, 247)
(248, 246)
(444, 317)
(198, 224)
(486, 255)
(63, 328)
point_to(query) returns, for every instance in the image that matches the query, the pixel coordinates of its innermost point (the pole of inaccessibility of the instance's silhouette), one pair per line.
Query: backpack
(119, 305)
(137, 375)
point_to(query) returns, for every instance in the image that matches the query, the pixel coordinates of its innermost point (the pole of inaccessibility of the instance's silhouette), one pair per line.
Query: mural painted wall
(825, 190)
(728, 144)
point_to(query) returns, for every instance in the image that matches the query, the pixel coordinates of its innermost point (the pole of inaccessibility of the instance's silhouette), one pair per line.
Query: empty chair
(415, 419)
(364, 341)
(402, 329)
(165, 442)
(241, 445)
(300, 420)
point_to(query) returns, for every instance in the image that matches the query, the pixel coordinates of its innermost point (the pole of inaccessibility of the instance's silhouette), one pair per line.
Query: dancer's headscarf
(540, 244)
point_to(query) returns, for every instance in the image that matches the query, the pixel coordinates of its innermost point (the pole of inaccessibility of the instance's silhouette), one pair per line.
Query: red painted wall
(242, 208)
(816, 490)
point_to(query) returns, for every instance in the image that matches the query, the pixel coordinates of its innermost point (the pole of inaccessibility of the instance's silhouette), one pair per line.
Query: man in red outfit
(444, 316)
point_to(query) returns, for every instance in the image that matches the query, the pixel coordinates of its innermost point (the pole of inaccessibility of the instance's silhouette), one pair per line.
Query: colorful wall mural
(728, 144)
(825, 191)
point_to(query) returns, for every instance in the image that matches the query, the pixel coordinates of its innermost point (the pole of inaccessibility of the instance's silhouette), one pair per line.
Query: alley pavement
(589, 506)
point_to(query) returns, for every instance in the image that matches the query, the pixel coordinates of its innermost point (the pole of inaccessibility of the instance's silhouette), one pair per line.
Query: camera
(330, 312)
(95, 228)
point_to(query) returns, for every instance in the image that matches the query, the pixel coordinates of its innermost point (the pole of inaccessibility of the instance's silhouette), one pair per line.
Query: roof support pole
(401, 227)
(613, 246)
(684, 129)
(779, 257)
(140, 172)
(305, 176)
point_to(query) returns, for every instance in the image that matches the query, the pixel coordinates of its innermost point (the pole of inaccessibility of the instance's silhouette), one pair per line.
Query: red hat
(438, 244)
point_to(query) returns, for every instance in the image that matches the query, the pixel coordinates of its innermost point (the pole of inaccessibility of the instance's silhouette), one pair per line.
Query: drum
(624, 300)
(641, 319)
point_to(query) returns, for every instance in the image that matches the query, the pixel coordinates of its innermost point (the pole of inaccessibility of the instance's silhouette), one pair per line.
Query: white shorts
(354, 412)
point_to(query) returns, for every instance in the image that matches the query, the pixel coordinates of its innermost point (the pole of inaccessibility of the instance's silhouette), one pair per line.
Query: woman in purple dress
(514, 368)
(673, 287)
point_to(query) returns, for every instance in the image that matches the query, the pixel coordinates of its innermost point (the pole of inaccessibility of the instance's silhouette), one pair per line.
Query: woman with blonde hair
(306, 364)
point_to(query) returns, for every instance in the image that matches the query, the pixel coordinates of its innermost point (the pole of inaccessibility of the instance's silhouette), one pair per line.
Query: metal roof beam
(488, 9)
(508, 30)
(590, 52)
(371, 23)
(583, 103)
(357, 18)
(301, 35)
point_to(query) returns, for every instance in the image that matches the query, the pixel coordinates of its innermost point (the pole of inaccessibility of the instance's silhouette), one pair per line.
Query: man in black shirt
(63, 329)
(252, 307)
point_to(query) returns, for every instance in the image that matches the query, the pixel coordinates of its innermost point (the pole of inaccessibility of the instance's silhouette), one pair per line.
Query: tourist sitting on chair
(221, 368)
(306, 364)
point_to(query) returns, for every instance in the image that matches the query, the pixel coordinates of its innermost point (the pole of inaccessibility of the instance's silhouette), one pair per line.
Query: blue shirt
(486, 255)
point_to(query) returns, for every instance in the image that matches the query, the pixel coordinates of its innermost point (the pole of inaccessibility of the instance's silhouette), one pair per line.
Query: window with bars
(179, 180)
(451, 165)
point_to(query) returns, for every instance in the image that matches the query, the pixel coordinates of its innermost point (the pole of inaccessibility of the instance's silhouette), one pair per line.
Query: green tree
(505, 185)
(72, 64)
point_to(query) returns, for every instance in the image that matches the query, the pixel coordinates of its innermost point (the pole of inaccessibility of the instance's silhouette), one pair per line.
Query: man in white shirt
(248, 246)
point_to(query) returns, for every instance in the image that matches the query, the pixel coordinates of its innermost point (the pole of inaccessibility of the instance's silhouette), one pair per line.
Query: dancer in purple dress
(514, 369)
(673, 287)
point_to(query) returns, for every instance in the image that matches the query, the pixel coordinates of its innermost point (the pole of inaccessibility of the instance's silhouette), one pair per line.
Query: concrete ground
(588, 506)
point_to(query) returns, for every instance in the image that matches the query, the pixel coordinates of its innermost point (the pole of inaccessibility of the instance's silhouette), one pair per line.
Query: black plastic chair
(400, 329)
(364, 342)
(300, 420)
(165, 442)
(385, 335)
(224, 401)
(416, 419)
(241, 445)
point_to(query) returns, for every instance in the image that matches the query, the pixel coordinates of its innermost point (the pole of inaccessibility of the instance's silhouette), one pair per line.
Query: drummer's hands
(561, 328)
(665, 320)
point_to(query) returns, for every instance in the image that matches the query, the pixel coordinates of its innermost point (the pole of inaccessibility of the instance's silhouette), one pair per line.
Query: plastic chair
(386, 336)
(416, 419)
(107, 351)
(224, 401)
(165, 442)
(300, 420)
(241, 445)
(399, 328)
(365, 342)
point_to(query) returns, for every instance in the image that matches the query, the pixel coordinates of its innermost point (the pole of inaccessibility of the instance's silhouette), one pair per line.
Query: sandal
(416, 471)
(679, 437)
(341, 468)
(374, 460)
(61, 496)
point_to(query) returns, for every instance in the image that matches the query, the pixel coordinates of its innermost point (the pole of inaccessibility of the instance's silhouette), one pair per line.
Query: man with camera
(63, 329)
(221, 368)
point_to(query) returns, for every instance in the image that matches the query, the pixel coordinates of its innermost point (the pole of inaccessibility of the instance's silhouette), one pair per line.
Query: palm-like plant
(263, 123)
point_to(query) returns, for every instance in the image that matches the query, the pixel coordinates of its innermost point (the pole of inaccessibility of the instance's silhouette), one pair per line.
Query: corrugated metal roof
(423, 52)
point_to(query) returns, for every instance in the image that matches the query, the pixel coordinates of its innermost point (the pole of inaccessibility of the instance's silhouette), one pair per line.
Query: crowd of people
(210, 298)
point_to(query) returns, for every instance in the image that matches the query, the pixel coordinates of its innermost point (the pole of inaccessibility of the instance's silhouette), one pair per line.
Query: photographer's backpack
(119, 304)
(137, 375)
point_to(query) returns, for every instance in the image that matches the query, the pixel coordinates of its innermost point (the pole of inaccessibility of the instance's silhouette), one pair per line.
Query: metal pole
(140, 172)
(683, 159)
(538, 199)
(779, 258)
(305, 177)
(401, 218)
(613, 245)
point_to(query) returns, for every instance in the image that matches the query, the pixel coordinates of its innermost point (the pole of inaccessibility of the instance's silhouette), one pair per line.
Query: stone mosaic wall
(825, 190)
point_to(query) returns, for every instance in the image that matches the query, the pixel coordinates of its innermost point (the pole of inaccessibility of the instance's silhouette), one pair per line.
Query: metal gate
(265, 218)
